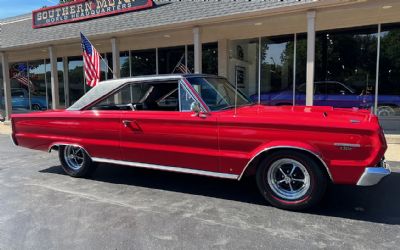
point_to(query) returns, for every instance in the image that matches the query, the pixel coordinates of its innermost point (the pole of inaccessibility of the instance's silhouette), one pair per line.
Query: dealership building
(341, 53)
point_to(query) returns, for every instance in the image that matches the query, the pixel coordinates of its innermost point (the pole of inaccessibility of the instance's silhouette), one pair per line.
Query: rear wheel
(291, 180)
(75, 161)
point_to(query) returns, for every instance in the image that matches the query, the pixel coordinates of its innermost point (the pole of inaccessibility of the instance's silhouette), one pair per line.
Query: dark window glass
(60, 69)
(124, 64)
(2, 101)
(143, 62)
(106, 66)
(348, 57)
(170, 60)
(389, 78)
(76, 78)
(210, 58)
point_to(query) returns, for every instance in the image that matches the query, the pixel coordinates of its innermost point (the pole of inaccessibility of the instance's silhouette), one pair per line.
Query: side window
(186, 99)
(149, 96)
(118, 101)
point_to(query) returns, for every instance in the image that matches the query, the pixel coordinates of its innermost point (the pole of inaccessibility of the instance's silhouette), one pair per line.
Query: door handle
(126, 123)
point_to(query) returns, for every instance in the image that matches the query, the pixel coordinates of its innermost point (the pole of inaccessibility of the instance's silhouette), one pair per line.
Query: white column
(66, 81)
(116, 58)
(55, 87)
(6, 86)
(310, 58)
(223, 57)
(197, 50)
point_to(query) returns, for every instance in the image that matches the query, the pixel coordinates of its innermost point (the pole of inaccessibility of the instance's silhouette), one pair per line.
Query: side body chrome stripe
(167, 168)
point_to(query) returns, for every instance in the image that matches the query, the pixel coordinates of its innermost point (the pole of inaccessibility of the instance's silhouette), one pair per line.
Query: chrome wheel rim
(288, 179)
(74, 157)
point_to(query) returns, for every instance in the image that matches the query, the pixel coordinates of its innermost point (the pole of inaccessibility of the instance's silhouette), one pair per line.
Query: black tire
(311, 193)
(86, 168)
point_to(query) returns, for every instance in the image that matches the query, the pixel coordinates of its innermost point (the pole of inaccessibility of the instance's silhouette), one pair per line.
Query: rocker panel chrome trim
(287, 147)
(168, 168)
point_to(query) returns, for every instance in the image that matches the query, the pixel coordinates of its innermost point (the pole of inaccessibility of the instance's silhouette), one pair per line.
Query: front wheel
(75, 161)
(291, 180)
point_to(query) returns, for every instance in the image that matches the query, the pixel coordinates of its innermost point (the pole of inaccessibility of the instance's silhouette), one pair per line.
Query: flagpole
(180, 61)
(106, 63)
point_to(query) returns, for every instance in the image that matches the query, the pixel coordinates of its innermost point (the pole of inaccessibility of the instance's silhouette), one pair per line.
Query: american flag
(20, 73)
(91, 59)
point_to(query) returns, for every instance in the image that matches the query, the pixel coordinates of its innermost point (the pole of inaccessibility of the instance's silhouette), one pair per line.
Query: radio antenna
(236, 92)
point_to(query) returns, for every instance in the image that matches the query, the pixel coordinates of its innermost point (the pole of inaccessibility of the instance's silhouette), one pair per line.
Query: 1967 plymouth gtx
(200, 124)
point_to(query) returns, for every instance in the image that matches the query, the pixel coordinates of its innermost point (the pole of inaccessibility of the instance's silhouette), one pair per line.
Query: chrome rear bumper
(374, 175)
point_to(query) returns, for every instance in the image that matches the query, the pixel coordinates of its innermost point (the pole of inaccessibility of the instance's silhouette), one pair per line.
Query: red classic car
(200, 124)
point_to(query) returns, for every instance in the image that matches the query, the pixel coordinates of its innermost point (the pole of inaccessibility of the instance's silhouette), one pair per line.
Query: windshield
(217, 93)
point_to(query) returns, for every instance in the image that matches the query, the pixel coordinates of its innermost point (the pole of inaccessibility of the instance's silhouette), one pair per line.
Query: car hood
(318, 116)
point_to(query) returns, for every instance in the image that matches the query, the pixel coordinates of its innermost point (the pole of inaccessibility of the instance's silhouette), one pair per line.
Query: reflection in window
(277, 56)
(76, 78)
(124, 64)
(346, 58)
(37, 79)
(143, 62)
(243, 66)
(389, 76)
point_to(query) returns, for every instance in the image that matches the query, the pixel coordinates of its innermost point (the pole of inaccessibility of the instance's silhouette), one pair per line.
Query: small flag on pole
(91, 59)
(181, 67)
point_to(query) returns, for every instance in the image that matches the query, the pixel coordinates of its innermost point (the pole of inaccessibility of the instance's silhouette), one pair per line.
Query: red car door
(162, 135)
(170, 138)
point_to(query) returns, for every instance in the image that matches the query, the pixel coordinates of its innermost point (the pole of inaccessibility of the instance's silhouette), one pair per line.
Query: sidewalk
(392, 154)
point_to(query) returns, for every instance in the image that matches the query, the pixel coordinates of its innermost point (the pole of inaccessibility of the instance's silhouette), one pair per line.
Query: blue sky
(11, 8)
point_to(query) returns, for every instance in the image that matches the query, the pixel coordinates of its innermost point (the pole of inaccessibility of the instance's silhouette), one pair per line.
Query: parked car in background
(21, 100)
(332, 93)
(199, 124)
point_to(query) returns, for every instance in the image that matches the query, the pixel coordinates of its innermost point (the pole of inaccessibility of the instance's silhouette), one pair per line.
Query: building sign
(84, 9)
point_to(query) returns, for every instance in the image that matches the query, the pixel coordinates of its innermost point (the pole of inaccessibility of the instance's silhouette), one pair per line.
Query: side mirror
(195, 107)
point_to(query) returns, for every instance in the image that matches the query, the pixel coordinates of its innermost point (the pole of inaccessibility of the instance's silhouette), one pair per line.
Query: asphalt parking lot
(127, 208)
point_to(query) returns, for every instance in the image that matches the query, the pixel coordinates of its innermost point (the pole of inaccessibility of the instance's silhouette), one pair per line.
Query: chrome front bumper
(374, 175)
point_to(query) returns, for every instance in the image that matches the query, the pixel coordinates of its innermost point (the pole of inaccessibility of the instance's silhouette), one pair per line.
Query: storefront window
(169, 59)
(210, 58)
(143, 62)
(2, 101)
(61, 92)
(389, 78)
(76, 78)
(124, 64)
(39, 90)
(243, 66)
(345, 68)
(277, 56)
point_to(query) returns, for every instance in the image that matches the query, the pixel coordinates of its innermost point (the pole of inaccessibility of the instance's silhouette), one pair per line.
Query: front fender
(287, 145)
